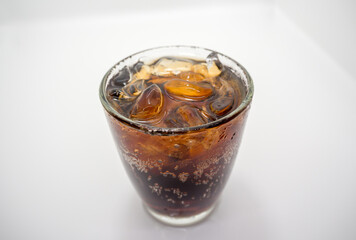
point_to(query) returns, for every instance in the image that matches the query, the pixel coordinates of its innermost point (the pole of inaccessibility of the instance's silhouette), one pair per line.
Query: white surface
(331, 23)
(60, 176)
(24, 10)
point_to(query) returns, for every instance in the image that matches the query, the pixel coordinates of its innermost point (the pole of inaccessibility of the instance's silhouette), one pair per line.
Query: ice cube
(144, 73)
(184, 90)
(222, 105)
(191, 115)
(213, 70)
(225, 88)
(185, 116)
(148, 105)
(201, 68)
(160, 80)
(191, 76)
(228, 74)
(137, 67)
(122, 106)
(214, 58)
(214, 65)
(114, 93)
(121, 78)
(132, 89)
(207, 114)
(167, 66)
(170, 121)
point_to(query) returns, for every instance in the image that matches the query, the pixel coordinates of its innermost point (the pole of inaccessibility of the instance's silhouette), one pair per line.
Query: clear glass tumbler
(179, 173)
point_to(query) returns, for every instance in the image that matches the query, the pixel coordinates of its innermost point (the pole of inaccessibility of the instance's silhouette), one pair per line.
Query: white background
(60, 176)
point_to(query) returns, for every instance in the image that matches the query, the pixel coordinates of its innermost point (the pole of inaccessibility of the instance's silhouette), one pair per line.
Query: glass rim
(169, 131)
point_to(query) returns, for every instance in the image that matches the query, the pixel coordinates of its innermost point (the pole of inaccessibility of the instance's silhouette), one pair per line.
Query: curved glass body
(179, 173)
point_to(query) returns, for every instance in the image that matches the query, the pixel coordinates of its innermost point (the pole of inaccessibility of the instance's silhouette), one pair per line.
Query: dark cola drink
(177, 123)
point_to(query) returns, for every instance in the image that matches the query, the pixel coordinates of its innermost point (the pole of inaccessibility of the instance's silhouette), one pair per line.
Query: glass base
(179, 221)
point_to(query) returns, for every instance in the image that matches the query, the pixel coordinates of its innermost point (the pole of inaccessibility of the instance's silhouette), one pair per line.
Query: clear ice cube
(148, 105)
(121, 78)
(185, 116)
(132, 89)
(185, 90)
(222, 105)
(167, 66)
(214, 65)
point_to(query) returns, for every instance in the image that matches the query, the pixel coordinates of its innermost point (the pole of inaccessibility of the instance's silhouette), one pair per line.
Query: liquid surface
(174, 92)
